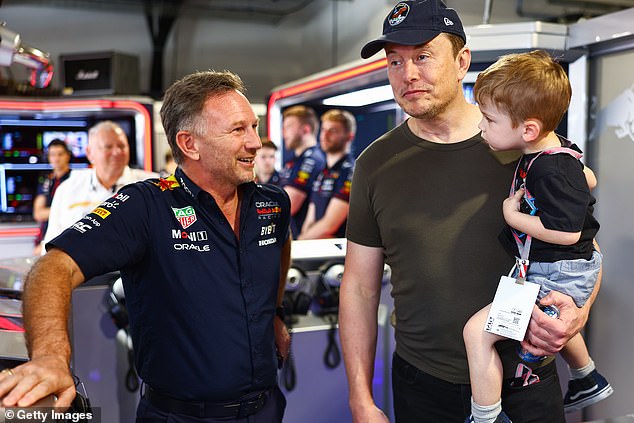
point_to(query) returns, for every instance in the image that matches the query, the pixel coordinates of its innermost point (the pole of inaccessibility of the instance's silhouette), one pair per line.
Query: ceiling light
(361, 97)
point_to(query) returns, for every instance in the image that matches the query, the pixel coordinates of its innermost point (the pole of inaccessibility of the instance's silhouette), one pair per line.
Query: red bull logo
(167, 184)
(269, 210)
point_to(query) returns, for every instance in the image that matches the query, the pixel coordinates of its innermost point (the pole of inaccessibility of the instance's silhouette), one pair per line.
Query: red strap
(555, 150)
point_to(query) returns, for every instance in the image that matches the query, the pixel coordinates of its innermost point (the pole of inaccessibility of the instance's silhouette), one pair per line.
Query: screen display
(76, 140)
(24, 140)
(18, 189)
(20, 145)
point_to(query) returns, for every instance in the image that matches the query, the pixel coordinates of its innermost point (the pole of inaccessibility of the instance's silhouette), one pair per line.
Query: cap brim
(403, 37)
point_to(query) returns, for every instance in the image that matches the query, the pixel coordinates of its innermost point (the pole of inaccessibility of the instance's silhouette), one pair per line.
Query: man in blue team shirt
(265, 172)
(299, 126)
(328, 209)
(203, 256)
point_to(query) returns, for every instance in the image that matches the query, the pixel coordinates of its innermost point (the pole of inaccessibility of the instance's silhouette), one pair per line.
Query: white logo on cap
(399, 14)
(448, 21)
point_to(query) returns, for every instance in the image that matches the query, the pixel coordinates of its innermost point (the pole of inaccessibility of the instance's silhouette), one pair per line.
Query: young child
(522, 98)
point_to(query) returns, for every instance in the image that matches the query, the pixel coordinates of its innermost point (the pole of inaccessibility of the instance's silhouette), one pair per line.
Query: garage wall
(264, 54)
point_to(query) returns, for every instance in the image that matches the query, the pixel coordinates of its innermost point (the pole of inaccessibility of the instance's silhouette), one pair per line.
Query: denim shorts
(575, 278)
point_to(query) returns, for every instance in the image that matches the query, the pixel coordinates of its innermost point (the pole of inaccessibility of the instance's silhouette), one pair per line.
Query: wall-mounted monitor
(16, 195)
(28, 127)
(77, 141)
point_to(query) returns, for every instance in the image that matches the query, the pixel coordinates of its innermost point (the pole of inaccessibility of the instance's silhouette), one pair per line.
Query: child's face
(497, 129)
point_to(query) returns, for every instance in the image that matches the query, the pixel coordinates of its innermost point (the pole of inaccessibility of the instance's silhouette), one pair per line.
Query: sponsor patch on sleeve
(101, 212)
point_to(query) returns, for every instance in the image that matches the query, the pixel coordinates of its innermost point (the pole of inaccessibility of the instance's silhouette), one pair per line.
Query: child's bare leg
(586, 385)
(485, 367)
(578, 358)
(576, 353)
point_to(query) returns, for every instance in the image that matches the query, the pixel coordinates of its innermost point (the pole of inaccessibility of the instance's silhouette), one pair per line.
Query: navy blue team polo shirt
(333, 182)
(201, 302)
(301, 172)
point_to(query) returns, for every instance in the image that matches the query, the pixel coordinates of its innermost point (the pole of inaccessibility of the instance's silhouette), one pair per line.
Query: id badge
(511, 308)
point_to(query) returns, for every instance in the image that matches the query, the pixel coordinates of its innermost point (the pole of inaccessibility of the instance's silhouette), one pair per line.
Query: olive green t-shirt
(436, 210)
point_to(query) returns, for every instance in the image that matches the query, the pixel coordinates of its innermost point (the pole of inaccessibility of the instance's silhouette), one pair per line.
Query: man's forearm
(318, 230)
(358, 333)
(297, 198)
(326, 227)
(46, 307)
(285, 264)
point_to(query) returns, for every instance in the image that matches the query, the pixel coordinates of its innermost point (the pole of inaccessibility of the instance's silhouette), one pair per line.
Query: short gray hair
(104, 125)
(184, 102)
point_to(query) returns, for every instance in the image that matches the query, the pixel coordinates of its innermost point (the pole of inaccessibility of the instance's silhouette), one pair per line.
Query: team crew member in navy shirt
(59, 155)
(265, 172)
(299, 126)
(328, 209)
(203, 256)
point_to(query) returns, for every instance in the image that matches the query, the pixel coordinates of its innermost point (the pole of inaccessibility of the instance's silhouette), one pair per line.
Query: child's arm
(532, 225)
(590, 177)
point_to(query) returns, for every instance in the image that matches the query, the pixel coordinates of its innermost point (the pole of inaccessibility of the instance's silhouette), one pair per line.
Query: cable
(131, 376)
(289, 373)
(332, 356)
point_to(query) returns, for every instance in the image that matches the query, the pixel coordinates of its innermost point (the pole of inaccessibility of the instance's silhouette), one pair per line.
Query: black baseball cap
(415, 22)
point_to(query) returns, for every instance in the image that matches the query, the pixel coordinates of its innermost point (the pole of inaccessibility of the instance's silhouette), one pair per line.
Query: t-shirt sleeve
(362, 226)
(44, 187)
(343, 184)
(561, 193)
(286, 207)
(305, 172)
(112, 236)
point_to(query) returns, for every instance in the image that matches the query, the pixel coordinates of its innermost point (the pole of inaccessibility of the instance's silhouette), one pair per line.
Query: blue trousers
(272, 412)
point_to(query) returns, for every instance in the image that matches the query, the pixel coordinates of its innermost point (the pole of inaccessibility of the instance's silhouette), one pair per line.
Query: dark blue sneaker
(501, 418)
(586, 391)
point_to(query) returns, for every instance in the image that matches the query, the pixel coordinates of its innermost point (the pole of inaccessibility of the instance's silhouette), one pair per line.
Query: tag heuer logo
(186, 216)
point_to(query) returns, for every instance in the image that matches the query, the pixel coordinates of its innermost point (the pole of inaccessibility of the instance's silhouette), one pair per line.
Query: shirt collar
(124, 179)
(190, 187)
(194, 190)
(339, 163)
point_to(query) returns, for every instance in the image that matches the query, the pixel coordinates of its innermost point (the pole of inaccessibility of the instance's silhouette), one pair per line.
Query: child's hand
(511, 205)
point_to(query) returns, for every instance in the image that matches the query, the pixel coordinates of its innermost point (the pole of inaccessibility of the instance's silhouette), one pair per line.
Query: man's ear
(531, 129)
(306, 129)
(187, 144)
(89, 153)
(463, 61)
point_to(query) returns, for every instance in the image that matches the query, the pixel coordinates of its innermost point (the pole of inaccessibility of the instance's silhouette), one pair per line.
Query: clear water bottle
(551, 311)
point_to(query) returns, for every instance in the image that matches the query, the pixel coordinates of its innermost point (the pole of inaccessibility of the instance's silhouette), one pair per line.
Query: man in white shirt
(109, 153)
